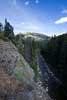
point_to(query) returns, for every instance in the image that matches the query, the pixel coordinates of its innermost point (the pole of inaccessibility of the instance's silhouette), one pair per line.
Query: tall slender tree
(8, 30)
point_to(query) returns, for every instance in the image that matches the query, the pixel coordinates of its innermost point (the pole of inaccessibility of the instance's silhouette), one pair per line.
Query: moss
(22, 70)
(34, 64)
(18, 73)
(20, 63)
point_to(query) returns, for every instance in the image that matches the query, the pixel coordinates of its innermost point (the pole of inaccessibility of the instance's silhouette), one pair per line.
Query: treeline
(55, 55)
(6, 31)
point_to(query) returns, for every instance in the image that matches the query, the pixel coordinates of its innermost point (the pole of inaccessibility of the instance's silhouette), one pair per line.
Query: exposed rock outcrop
(17, 77)
(11, 61)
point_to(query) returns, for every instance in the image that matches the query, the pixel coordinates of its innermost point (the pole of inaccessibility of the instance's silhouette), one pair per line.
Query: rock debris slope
(17, 77)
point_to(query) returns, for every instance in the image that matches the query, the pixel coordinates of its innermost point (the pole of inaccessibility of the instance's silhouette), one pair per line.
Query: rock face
(31, 51)
(28, 49)
(17, 77)
(51, 82)
(8, 55)
(11, 60)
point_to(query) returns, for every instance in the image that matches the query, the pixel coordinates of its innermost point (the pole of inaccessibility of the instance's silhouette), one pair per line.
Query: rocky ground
(17, 77)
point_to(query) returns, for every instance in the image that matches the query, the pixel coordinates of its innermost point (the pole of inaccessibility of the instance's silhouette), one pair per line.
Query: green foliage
(1, 27)
(18, 40)
(35, 51)
(18, 72)
(2, 37)
(28, 33)
(56, 55)
(8, 30)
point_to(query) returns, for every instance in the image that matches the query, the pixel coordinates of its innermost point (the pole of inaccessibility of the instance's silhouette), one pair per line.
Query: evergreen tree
(1, 27)
(8, 30)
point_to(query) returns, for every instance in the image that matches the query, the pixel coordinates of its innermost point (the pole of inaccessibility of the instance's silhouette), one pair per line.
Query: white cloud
(64, 11)
(61, 20)
(31, 26)
(27, 3)
(36, 1)
(22, 23)
(27, 26)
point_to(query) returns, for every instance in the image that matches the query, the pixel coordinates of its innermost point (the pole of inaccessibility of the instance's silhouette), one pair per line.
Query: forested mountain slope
(55, 54)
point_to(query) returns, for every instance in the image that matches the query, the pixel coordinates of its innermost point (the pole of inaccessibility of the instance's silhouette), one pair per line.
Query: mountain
(34, 35)
(39, 35)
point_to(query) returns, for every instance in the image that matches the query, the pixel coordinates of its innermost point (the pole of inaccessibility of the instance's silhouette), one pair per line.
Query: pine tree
(8, 30)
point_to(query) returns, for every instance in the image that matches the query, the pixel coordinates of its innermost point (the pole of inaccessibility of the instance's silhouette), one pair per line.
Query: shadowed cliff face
(17, 77)
(55, 54)
(50, 81)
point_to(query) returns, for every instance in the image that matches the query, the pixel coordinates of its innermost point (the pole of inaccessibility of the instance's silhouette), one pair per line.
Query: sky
(41, 16)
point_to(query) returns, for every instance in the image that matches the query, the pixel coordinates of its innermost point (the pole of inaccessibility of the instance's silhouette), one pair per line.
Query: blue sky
(42, 16)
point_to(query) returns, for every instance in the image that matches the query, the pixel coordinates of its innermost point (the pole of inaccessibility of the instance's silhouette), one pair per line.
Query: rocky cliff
(17, 77)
